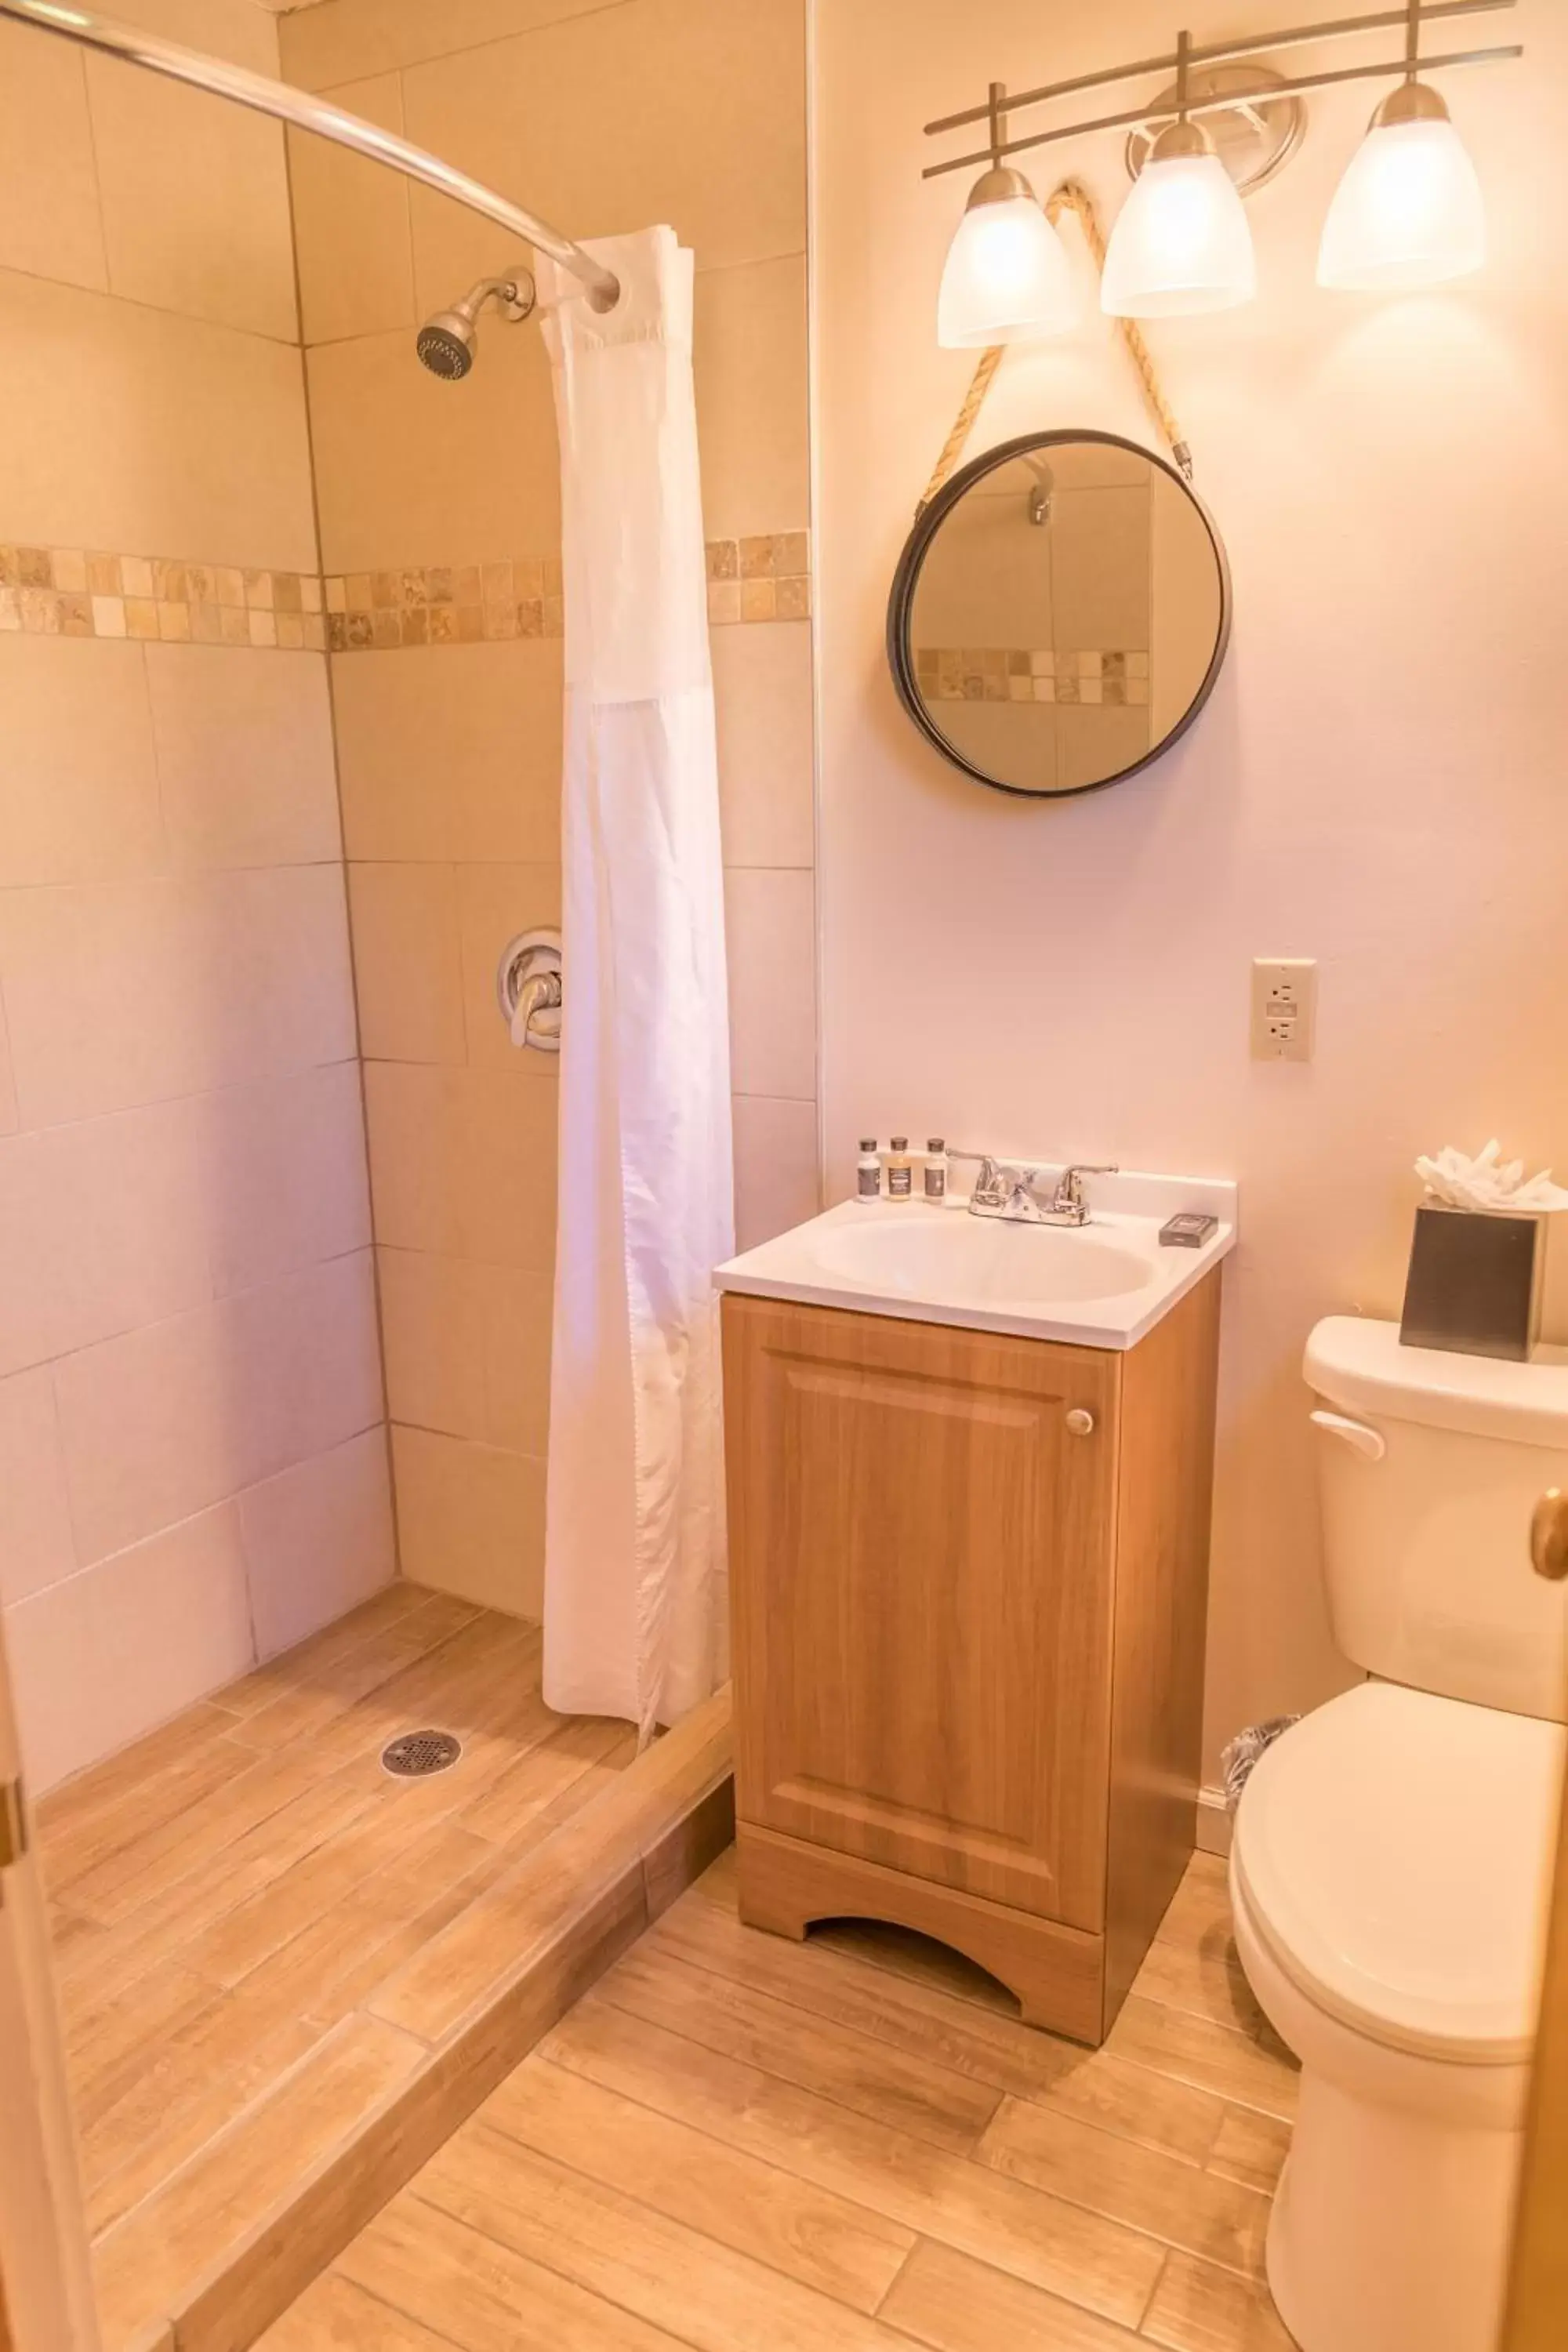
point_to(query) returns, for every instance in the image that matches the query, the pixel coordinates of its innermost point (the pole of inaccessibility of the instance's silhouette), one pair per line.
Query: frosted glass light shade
(1408, 211)
(1007, 277)
(1181, 243)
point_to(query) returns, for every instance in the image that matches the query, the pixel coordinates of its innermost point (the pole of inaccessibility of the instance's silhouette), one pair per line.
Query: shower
(445, 343)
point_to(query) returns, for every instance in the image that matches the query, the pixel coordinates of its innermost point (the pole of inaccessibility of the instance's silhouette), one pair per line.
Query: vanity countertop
(1101, 1285)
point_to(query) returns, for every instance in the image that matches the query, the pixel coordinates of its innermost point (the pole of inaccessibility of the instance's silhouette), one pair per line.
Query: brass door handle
(1549, 1536)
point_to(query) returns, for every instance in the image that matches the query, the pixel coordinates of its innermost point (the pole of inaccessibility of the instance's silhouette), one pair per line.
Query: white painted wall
(1380, 780)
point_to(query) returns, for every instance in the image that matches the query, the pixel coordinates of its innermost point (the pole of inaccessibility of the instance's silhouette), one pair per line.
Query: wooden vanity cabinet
(969, 1577)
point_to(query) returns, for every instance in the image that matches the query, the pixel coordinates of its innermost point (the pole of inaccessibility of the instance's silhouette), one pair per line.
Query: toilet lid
(1395, 1852)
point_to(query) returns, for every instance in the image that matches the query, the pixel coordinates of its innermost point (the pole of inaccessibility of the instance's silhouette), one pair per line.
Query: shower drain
(415, 1753)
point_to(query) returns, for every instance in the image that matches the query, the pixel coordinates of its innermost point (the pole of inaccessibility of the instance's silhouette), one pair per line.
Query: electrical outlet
(1284, 1008)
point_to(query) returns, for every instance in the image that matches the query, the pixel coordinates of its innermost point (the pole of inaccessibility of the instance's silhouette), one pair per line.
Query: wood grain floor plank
(1200, 1908)
(107, 1787)
(1215, 2057)
(331, 1689)
(336, 2315)
(1158, 2194)
(391, 1606)
(615, 2247)
(917, 2095)
(1032, 2236)
(920, 2017)
(149, 2260)
(1205, 1978)
(511, 1806)
(147, 1801)
(1252, 2148)
(812, 2234)
(481, 2295)
(1199, 2309)
(955, 2305)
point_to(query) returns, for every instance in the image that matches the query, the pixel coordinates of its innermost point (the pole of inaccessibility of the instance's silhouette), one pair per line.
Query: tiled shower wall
(440, 526)
(193, 1461)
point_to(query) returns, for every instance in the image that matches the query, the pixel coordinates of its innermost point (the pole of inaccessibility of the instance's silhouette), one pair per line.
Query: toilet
(1391, 1866)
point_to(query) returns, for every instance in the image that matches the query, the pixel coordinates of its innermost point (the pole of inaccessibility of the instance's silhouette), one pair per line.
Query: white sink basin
(1102, 1285)
(974, 1261)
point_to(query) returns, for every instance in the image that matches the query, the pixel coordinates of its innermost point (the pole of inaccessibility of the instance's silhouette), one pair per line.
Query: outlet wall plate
(1284, 1008)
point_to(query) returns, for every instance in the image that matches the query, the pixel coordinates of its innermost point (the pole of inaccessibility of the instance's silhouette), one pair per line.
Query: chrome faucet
(1012, 1192)
(1068, 1206)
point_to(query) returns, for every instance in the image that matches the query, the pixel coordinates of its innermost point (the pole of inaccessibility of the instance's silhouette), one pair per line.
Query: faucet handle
(1070, 1193)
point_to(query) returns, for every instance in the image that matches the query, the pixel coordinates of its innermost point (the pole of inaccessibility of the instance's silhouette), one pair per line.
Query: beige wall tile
(48, 191)
(137, 429)
(318, 1541)
(468, 1349)
(107, 1655)
(281, 1171)
(691, 111)
(463, 1162)
(777, 1183)
(350, 226)
(236, 29)
(413, 470)
(101, 1228)
(79, 788)
(748, 359)
(761, 694)
(109, 1223)
(769, 919)
(168, 1421)
(244, 747)
(495, 903)
(433, 1332)
(453, 754)
(129, 995)
(407, 964)
(196, 201)
(470, 1520)
(36, 1547)
(324, 45)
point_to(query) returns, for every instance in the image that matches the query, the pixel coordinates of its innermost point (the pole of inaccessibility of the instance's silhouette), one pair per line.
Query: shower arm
(315, 114)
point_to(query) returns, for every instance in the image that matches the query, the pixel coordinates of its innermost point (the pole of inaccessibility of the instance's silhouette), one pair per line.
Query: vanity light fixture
(1181, 243)
(1007, 277)
(1408, 213)
(1409, 210)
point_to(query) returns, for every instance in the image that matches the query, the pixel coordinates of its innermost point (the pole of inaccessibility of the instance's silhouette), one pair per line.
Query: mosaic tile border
(764, 578)
(71, 592)
(64, 591)
(1030, 674)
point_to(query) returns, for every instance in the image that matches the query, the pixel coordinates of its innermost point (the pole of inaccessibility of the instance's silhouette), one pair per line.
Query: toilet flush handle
(1371, 1443)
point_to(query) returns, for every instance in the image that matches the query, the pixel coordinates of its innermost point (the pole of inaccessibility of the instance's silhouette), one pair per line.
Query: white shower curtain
(636, 1614)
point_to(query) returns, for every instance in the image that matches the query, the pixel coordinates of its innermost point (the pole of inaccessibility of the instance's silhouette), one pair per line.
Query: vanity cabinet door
(921, 1562)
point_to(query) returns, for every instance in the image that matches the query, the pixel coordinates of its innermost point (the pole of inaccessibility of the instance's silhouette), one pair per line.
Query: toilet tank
(1430, 1467)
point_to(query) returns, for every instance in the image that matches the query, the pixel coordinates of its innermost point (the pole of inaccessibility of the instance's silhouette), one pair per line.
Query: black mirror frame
(900, 604)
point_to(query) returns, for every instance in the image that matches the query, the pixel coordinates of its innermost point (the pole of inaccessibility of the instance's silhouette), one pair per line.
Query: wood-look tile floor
(738, 2144)
(230, 1889)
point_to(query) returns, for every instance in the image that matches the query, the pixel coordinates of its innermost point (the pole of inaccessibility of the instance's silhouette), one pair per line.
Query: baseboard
(1214, 1822)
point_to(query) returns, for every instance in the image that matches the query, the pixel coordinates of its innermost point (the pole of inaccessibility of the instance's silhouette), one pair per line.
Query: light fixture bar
(1430, 12)
(1143, 114)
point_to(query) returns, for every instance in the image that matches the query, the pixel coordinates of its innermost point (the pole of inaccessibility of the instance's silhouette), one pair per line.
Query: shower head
(445, 343)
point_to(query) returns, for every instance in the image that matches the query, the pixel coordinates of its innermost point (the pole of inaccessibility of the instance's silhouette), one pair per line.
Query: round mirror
(1060, 613)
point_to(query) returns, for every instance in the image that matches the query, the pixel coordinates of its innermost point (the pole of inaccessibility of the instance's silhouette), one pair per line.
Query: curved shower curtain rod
(309, 114)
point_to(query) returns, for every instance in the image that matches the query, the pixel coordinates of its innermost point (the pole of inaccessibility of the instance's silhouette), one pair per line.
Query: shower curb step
(217, 2255)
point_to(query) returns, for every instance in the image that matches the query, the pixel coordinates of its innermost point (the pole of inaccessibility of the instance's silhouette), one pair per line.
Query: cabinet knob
(1081, 1421)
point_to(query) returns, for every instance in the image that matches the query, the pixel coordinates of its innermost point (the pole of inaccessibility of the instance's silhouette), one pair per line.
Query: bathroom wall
(440, 525)
(1379, 781)
(193, 1461)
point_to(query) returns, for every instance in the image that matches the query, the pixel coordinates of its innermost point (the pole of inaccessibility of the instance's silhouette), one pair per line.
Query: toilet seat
(1393, 1851)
